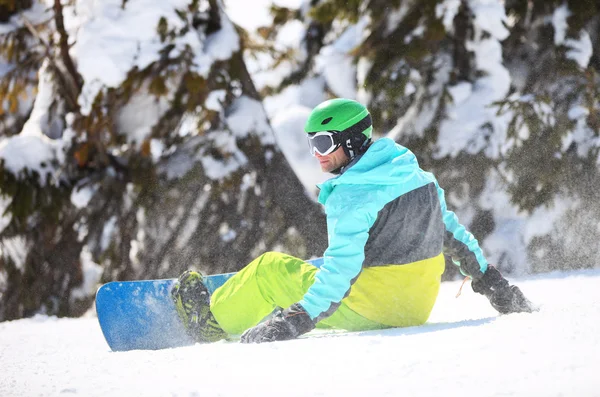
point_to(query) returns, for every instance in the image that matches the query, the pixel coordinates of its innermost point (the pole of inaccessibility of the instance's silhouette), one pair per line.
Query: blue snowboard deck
(140, 315)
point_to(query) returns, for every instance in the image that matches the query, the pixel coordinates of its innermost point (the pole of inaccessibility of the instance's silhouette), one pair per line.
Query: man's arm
(460, 244)
(464, 250)
(348, 228)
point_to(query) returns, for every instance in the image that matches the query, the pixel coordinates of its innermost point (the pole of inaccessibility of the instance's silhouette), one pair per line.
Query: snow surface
(464, 350)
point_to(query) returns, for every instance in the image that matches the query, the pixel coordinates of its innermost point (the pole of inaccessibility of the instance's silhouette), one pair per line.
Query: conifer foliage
(498, 98)
(135, 144)
(138, 162)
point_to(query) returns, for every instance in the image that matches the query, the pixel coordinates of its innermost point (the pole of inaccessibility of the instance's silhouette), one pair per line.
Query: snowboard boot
(192, 301)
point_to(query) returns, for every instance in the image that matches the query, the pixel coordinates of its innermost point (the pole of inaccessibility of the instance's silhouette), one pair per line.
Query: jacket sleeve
(348, 225)
(460, 244)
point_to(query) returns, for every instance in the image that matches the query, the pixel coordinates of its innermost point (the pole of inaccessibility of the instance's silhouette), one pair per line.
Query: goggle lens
(323, 143)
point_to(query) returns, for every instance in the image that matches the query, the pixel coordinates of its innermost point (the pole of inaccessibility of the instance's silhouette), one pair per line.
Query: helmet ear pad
(357, 140)
(352, 143)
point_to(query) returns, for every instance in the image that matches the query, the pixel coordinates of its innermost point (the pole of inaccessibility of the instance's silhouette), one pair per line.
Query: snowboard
(140, 315)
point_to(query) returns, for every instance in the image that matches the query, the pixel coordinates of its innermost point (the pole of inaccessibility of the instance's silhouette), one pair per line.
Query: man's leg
(273, 280)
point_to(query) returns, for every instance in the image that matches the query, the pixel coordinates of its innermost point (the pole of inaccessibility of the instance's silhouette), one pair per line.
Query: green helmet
(337, 115)
(346, 117)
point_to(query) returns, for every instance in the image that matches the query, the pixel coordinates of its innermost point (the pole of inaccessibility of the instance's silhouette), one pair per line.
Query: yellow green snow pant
(381, 297)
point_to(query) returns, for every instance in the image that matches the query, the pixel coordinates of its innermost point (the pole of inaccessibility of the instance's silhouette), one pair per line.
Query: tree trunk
(153, 218)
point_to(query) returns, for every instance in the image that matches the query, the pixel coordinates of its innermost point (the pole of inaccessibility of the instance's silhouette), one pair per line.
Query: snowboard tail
(140, 315)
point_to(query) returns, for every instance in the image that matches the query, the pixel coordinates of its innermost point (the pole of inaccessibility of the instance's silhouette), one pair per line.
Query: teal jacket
(383, 209)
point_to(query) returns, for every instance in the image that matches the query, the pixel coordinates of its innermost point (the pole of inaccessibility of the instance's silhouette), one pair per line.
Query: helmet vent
(327, 120)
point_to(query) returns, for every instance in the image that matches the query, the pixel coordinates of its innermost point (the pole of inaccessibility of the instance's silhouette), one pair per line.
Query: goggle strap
(359, 127)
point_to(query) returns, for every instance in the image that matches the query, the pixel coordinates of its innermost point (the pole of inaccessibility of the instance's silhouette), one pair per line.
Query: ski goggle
(324, 142)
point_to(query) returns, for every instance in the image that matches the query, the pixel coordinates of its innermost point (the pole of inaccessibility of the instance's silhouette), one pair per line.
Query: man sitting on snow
(388, 228)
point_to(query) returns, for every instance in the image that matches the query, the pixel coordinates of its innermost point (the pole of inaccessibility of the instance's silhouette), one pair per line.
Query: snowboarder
(388, 228)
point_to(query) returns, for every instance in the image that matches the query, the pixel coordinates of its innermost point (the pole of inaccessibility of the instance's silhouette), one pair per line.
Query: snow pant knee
(272, 280)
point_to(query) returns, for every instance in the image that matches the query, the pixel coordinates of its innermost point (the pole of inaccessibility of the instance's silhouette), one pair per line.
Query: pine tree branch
(64, 45)
(71, 92)
(214, 21)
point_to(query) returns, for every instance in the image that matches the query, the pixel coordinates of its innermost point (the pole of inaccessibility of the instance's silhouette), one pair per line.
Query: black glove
(289, 324)
(504, 297)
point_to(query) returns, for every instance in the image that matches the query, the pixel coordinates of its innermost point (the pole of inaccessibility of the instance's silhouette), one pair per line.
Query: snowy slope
(465, 350)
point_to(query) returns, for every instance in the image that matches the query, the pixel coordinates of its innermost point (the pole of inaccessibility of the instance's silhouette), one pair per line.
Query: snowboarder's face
(332, 161)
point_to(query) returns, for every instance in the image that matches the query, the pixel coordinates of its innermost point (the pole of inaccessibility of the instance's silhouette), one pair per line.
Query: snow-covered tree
(554, 127)
(498, 99)
(134, 146)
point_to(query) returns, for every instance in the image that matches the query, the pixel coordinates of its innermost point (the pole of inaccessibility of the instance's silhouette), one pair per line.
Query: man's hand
(504, 297)
(289, 324)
